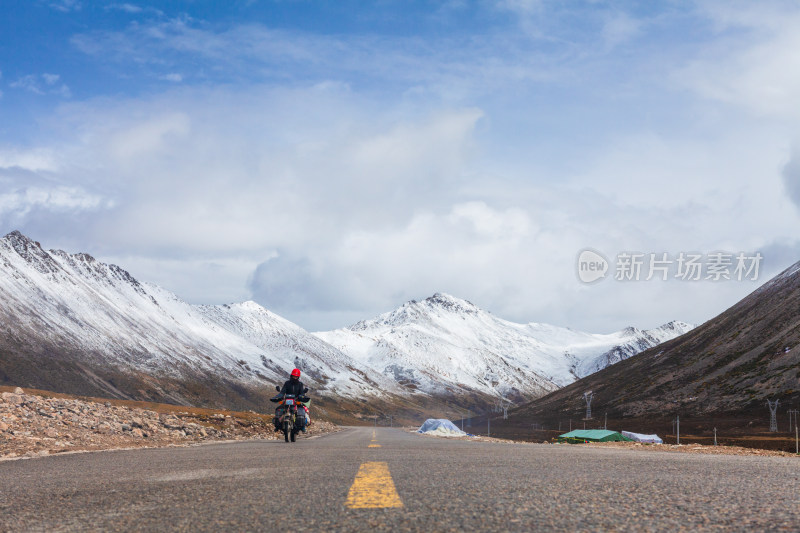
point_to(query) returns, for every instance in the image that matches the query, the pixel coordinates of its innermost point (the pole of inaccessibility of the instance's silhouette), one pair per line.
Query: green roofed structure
(592, 435)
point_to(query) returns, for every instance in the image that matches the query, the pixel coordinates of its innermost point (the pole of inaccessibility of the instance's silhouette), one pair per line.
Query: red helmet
(296, 373)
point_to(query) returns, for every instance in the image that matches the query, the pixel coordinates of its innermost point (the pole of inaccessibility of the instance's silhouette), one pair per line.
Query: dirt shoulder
(688, 448)
(633, 446)
(36, 425)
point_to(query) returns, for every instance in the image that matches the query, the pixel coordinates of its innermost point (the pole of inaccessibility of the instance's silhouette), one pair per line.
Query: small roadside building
(592, 435)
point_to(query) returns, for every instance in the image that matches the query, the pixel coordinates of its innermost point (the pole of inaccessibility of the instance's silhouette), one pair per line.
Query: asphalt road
(424, 483)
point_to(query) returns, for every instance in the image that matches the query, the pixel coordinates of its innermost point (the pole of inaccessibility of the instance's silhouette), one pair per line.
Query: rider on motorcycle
(295, 387)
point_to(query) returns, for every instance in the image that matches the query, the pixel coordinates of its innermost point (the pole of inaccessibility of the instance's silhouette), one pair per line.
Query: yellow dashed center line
(373, 488)
(374, 446)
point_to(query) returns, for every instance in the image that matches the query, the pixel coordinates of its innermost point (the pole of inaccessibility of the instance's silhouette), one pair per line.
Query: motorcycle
(290, 406)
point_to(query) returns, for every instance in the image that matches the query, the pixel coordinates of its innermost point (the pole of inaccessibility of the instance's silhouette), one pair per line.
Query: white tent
(639, 437)
(440, 427)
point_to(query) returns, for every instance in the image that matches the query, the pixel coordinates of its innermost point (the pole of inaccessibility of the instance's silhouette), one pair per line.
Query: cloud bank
(331, 177)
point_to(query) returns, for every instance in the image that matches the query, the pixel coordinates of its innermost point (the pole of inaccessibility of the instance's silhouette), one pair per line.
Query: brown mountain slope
(730, 364)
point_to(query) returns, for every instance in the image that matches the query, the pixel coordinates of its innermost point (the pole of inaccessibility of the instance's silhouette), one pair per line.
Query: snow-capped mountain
(631, 341)
(75, 324)
(445, 341)
(286, 345)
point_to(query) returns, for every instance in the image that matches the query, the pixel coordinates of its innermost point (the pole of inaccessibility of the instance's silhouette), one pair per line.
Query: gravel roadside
(33, 425)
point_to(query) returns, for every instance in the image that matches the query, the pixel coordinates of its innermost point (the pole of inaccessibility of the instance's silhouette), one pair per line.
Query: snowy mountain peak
(28, 249)
(17, 237)
(23, 255)
(450, 303)
(678, 326)
(249, 305)
(435, 307)
(25, 247)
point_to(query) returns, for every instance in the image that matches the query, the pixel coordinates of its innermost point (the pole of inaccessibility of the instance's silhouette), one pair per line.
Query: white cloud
(791, 176)
(452, 67)
(470, 249)
(65, 6)
(205, 280)
(29, 83)
(16, 205)
(41, 85)
(344, 175)
(350, 206)
(173, 77)
(129, 8)
(148, 138)
(752, 63)
(517, 262)
(218, 170)
(35, 160)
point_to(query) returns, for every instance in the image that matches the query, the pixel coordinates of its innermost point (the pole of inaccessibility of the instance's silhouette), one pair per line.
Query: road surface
(363, 479)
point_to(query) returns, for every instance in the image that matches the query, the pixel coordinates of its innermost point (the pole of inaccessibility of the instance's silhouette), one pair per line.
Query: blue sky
(333, 159)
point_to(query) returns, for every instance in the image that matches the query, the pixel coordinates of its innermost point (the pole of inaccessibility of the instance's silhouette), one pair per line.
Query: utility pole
(678, 425)
(488, 426)
(605, 421)
(715, 436)
(796, 441)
